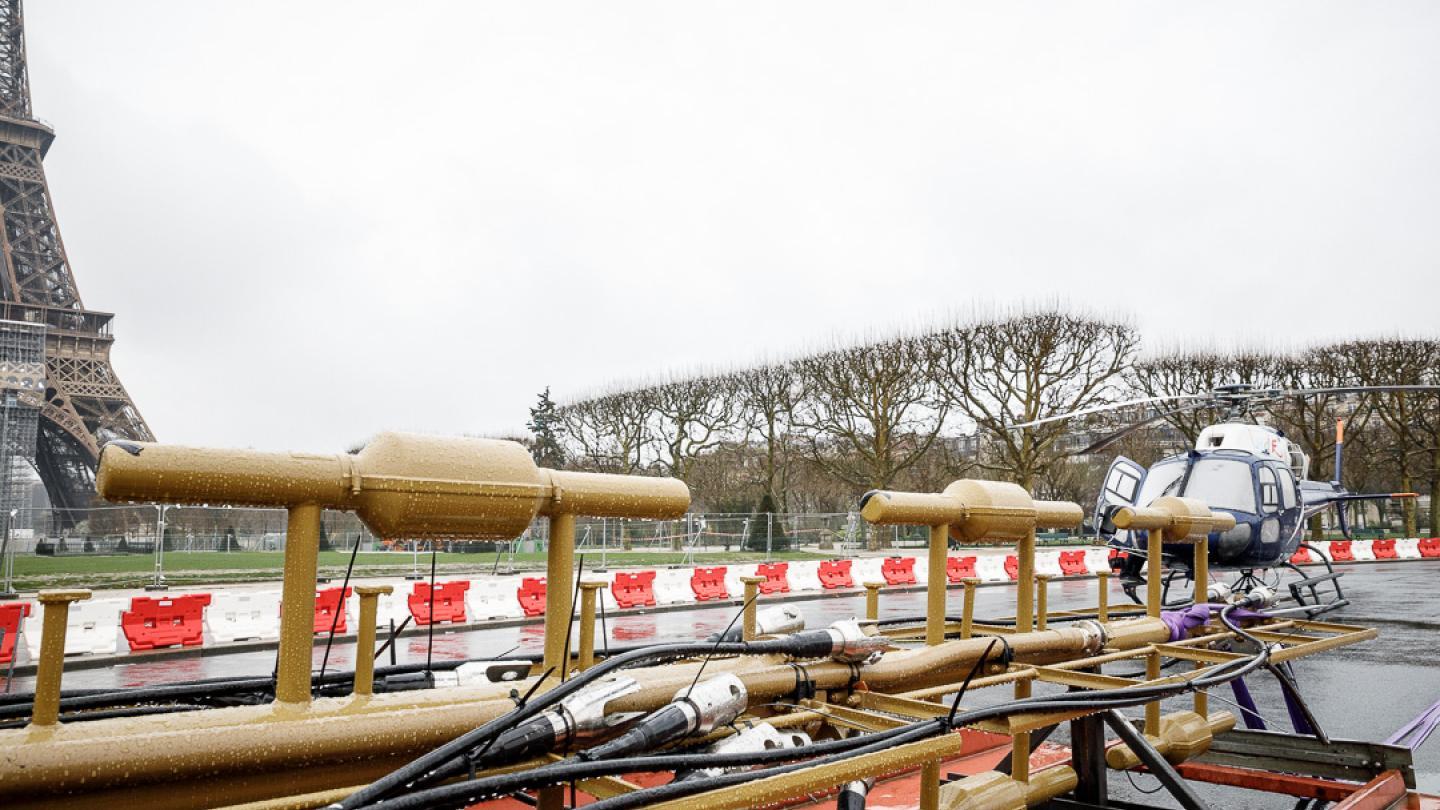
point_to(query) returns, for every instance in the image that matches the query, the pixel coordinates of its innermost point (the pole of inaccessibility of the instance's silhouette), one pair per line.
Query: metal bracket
(1350, 760)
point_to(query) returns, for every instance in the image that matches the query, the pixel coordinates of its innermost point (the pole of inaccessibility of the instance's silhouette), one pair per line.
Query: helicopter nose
(1232, 544)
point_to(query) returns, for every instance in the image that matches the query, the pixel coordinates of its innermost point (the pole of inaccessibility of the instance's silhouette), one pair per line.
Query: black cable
(427, 765)
(574, 600)
(565, 770)
(340, 609)
(719, 638)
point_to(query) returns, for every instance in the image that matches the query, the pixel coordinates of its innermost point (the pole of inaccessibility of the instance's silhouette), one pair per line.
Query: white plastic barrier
(92, 628)
(921, 569)
(1408, 548)
(1362, 550)
(866, 569)
(733, 573)
(1321, 548)
(243, 616)
(991, 568)
(672, 586)
(1097, 558)
(804, 575)
(1047, 563)
(494, 598)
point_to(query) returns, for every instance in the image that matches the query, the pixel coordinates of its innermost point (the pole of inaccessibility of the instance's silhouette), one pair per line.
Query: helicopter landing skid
(1311, 592)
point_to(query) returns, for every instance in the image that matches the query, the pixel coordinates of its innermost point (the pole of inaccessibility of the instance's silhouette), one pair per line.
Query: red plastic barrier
(1072, 563)
(1012, 566)
(449, 602)
(1340, 551)
(1302, 556)
(151, 623)
(898, 570)
(531, 594)
(634, 590)
(330, 603)
(835, 574)
(777, 579)
(709, 583)
(10, 616)
(1384, 549)
(959, 568)
(1430, 547)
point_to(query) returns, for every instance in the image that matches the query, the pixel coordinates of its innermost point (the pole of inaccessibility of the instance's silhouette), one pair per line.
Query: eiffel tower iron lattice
(83, 404)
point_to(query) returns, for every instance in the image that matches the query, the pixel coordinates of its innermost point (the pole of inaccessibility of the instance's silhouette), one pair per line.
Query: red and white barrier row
(110, 625)
(1366, 550)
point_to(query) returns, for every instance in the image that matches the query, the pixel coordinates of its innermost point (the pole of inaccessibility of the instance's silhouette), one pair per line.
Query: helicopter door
(1122, 484)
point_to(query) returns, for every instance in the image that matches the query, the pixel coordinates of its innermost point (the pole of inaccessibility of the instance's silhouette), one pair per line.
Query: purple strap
(1297, 716)
(1415, 732)
(1253, 720)
(1182, 622)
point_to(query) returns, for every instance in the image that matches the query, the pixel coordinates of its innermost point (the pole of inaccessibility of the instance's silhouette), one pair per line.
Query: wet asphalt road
(1362, 692)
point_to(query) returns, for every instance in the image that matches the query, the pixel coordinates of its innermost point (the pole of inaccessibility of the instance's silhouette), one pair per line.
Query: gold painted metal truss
(866, 711)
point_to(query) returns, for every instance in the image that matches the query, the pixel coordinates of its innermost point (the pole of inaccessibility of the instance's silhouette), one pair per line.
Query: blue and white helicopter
(1242, 467)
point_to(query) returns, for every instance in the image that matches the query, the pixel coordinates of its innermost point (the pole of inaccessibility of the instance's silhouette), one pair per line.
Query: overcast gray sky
(318, 220)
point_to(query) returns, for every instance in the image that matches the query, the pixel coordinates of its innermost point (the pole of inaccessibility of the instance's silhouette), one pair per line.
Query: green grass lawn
(198, 568)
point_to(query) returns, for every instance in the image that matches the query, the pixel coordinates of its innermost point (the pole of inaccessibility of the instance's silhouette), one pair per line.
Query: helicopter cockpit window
(1269, 490)
(1160, 481)
(1287, 489)
(1222, 484)
(1122, 485)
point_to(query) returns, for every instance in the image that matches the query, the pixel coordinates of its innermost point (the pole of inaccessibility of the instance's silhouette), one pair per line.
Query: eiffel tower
(82, 404)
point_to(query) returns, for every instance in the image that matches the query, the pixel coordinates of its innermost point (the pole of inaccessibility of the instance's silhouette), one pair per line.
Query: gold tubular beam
(56, 608)
(1042, 601)
(1025, 583)
(930, 785)
(297, 600)
(752, 597)
(1020, 741)
(967, 615)
(935, 586)
(369, 596)
(589, 591)
(559, 560)
(1102, 580)
(872, 600)
(974, 511)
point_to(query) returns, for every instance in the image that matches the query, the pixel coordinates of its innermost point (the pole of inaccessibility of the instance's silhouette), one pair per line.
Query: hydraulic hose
(442, 761)
(462, 793)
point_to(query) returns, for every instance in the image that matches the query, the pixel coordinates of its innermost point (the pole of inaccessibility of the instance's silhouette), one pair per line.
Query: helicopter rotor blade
(1356, 389)
(1131, 428)
(1103, 408)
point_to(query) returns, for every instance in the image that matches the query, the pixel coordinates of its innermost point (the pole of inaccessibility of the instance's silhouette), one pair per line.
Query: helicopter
(1240, 466)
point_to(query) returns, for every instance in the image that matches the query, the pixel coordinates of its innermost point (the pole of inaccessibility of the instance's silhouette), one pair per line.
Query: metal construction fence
(148, 544)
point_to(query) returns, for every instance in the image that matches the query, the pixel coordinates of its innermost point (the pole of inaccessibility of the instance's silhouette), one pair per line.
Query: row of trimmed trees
(916, 411)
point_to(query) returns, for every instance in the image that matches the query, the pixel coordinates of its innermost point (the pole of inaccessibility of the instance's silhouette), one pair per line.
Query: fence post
(769, 533)
(158, 584)
(7, 558)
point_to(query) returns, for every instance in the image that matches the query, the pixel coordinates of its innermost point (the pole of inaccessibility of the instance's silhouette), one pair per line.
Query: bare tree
(1012, 371)
(608, 433)
(1410, 418)
(766, 398)
(687, 417)
(868, 412)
